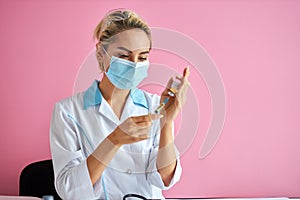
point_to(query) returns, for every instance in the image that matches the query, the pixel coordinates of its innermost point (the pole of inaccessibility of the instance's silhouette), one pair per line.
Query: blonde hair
(115, 22)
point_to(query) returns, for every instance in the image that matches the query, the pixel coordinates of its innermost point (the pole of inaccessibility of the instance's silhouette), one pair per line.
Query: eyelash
(143, 59)
(126, 56)
(123, 56)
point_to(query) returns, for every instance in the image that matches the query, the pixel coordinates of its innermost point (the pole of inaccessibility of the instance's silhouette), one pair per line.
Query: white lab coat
(79, 124)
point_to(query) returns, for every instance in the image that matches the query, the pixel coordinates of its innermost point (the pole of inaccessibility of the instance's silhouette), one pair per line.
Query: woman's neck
(112, 94)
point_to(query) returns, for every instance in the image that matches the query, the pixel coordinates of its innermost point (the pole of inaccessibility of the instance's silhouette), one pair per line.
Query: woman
(104, 142)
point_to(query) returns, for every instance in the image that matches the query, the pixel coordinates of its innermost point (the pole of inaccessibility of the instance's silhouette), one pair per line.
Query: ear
(99, 56)
(99, 52)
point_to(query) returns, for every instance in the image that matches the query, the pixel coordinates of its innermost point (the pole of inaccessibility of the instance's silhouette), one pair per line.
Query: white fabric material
(75, 132)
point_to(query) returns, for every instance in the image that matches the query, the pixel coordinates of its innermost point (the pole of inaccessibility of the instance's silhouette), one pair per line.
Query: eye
(123, 56)
(143, 59)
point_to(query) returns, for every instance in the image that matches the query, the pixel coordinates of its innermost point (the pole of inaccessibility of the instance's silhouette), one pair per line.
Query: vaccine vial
(174, 88)
(172, 91)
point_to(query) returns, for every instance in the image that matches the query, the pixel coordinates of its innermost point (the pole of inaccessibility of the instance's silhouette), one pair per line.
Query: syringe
(161, 106)
(172, 92)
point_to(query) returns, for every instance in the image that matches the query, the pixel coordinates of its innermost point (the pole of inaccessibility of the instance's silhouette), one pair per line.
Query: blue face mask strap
(107, 55)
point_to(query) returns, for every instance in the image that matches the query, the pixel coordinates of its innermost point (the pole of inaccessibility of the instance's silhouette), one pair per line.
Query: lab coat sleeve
(153, 176)
(70, 168)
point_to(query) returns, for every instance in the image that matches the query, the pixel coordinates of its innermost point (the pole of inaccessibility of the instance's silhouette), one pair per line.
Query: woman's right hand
(133, 129)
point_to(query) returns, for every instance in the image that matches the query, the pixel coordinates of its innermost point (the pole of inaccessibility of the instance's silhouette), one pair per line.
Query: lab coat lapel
(131, 109)
(107, 112)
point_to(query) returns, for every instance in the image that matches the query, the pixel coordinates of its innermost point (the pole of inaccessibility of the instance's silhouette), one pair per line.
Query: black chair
(37, 180)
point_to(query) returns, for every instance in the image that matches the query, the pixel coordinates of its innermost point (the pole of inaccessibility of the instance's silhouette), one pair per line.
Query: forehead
(133, 39)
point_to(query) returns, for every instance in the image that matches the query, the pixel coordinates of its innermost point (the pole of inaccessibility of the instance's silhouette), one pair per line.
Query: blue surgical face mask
(125, 74)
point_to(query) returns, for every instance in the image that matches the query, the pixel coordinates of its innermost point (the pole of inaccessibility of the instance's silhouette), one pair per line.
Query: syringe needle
(161, 106)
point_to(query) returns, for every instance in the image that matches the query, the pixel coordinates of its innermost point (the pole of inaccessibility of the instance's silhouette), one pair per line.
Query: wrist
(166, 136)
(111, 137)
(166, 125)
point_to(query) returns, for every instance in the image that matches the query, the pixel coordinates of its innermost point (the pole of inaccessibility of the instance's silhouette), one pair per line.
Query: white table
(18, 198)
(279, 198)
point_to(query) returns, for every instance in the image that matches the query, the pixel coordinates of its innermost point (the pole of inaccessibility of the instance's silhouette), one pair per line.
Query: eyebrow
(125, 49)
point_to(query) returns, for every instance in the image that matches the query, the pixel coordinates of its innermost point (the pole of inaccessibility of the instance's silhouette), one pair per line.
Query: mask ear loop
(99, 57)
(103, 65)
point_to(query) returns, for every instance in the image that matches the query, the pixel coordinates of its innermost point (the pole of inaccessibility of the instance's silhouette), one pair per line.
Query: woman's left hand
(175, 103)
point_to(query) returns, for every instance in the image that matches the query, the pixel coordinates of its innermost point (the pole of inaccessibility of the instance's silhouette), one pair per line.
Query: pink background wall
(255, 45)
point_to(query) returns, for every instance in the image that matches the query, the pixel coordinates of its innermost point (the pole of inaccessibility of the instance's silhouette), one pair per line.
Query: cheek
(105, 63)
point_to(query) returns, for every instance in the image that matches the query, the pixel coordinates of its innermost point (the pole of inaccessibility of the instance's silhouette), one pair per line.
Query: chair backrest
(37, 180)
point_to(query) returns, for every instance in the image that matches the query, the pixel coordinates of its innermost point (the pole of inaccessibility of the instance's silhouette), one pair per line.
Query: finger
(139, 137)
(141, 132)
(149, 119)
(143, 136)
(142, 118)
(170, 82)
(184, 80)
(155, 116)
(186, 72)
(144, 124)
(178, 77)
(135, 131)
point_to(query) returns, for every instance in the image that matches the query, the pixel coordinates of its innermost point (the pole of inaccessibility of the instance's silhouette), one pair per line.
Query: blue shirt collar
(92, 96)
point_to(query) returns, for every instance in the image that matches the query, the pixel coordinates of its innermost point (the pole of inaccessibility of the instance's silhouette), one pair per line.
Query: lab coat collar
(92, 96)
